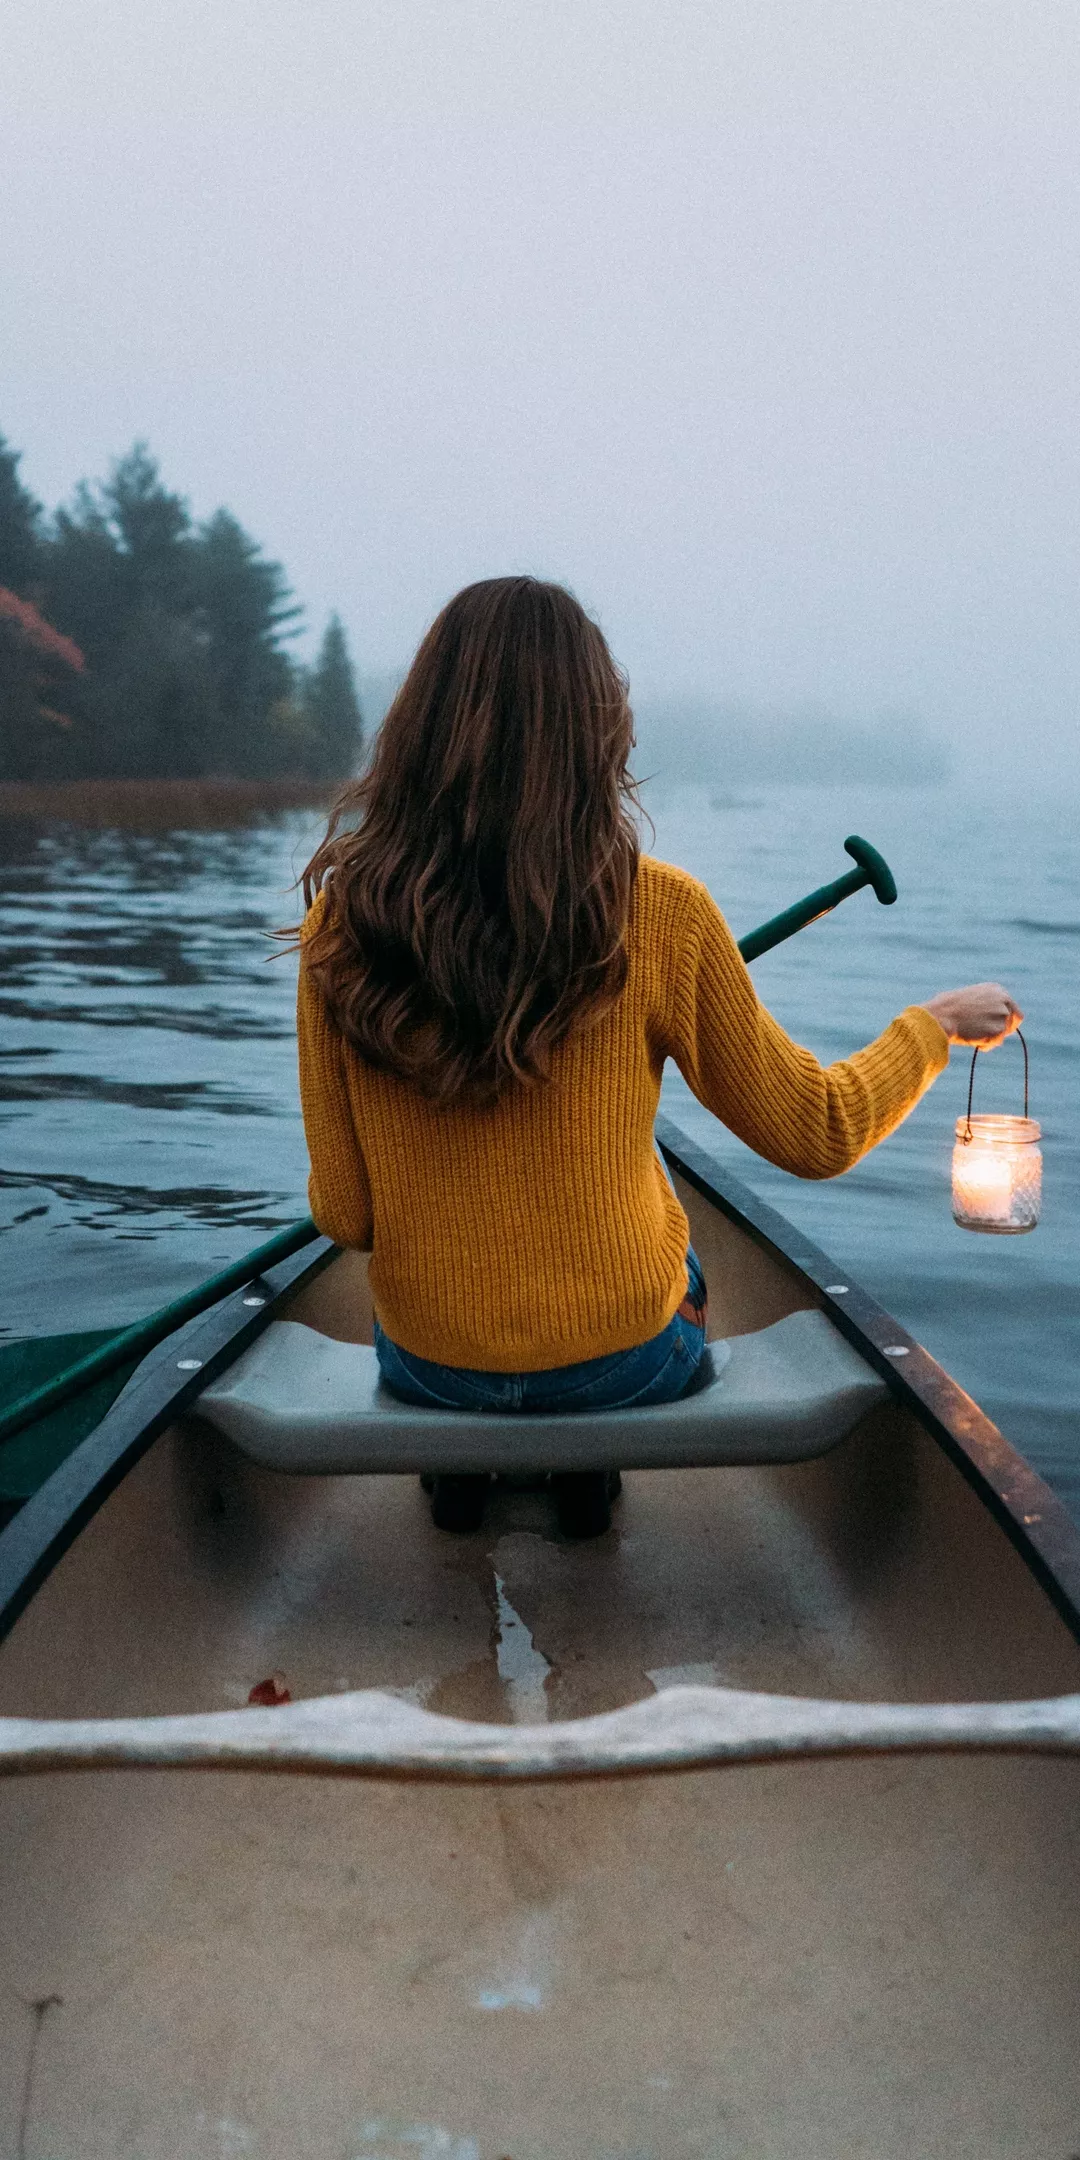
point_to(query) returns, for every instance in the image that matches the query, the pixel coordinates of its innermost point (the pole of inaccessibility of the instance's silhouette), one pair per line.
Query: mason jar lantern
(997, 1167)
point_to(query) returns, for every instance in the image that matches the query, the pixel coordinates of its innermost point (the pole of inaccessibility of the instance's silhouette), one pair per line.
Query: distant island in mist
(696, 741)
(688, 742)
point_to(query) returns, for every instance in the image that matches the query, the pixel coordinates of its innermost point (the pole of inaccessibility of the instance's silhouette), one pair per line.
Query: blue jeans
(653, 1372)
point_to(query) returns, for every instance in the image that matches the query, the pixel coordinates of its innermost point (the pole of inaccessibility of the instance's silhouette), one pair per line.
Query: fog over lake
(757, 325)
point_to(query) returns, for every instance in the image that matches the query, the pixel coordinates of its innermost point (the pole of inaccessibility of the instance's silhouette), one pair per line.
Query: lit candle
(997, 1174)
(982, 1183)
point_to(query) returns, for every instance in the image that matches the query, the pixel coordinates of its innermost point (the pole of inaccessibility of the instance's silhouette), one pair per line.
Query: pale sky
(755, 321)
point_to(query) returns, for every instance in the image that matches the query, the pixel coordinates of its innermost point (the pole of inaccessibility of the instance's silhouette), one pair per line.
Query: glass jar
(997, 1173)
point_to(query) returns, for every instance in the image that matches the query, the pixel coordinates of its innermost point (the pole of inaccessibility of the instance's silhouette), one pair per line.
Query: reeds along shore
(159, 805)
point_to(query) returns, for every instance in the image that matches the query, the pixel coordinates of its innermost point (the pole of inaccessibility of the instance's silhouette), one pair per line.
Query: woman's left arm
(339, 1189)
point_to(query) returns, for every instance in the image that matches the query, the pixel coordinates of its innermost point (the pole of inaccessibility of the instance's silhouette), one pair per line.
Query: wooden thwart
(378, 1735)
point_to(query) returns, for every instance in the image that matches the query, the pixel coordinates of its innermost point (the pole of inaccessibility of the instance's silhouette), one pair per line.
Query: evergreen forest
(136, 644)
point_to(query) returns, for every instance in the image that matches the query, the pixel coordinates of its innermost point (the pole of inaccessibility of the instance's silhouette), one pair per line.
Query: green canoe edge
(31, 1456)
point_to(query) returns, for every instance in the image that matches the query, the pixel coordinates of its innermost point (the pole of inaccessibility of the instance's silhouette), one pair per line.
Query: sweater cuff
(932, 1038)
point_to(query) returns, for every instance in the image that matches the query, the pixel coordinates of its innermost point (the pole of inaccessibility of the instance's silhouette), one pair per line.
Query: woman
(492, 977)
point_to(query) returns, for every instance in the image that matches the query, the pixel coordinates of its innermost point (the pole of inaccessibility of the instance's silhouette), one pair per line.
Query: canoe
(749, 1828)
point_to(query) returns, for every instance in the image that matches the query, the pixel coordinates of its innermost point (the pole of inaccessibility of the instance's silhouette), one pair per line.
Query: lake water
(151, 1129)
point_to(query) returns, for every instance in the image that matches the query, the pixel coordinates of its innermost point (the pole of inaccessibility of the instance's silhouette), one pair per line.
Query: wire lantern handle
(967, 1134)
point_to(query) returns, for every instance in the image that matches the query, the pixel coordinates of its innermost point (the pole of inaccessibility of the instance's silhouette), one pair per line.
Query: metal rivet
(255, 1301)
(895, 1349)
(836, 1289)
(188, 1364)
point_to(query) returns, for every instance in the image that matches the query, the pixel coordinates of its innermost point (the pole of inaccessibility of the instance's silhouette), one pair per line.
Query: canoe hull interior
(870, 1957)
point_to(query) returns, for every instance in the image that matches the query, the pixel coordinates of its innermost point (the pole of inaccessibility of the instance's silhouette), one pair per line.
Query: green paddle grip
(872, 869)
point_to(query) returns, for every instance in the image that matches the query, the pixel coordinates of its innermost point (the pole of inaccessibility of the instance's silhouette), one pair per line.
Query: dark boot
(458, 1501)
(583, 1501)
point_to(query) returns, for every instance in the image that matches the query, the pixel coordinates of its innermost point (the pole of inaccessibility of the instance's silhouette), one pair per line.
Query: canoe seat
(299, 1401)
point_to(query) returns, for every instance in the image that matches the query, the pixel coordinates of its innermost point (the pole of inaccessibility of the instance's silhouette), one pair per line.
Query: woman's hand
(982, 1013)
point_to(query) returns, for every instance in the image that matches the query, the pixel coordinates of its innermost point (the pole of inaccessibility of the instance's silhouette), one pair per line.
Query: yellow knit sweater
(542, 1231)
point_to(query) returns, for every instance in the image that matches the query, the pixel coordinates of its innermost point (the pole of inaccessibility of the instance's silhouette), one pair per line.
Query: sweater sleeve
(339, 1190)
(813, 1120)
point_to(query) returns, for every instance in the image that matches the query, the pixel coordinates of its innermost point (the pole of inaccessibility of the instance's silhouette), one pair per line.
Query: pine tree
(123, 551)
(333, 707)
(20, 527)
(180, 628)
(121, 580)
(242, 613)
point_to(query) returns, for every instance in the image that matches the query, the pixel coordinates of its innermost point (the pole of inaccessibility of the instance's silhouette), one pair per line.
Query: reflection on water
(147, 1084)
(148, 1099)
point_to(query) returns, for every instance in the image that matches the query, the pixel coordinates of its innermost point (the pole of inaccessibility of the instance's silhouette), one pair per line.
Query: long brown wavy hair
(479, 874)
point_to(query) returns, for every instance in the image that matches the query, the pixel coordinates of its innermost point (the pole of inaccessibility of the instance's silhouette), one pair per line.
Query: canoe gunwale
(156, 1395)
(1035, 1521)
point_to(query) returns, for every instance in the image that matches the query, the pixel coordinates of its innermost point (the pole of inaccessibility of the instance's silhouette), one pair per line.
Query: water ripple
(95, 1204)
(221, 1023)
(131, 1094)
(1044, 929)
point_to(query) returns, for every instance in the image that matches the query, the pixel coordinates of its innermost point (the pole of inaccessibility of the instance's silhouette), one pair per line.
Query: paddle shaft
(144, 1335)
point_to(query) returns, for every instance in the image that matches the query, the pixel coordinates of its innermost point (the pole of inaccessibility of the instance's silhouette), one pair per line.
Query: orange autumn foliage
(39, 635)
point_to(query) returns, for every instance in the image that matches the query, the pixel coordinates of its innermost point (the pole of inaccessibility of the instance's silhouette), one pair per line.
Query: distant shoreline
(160, 805)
